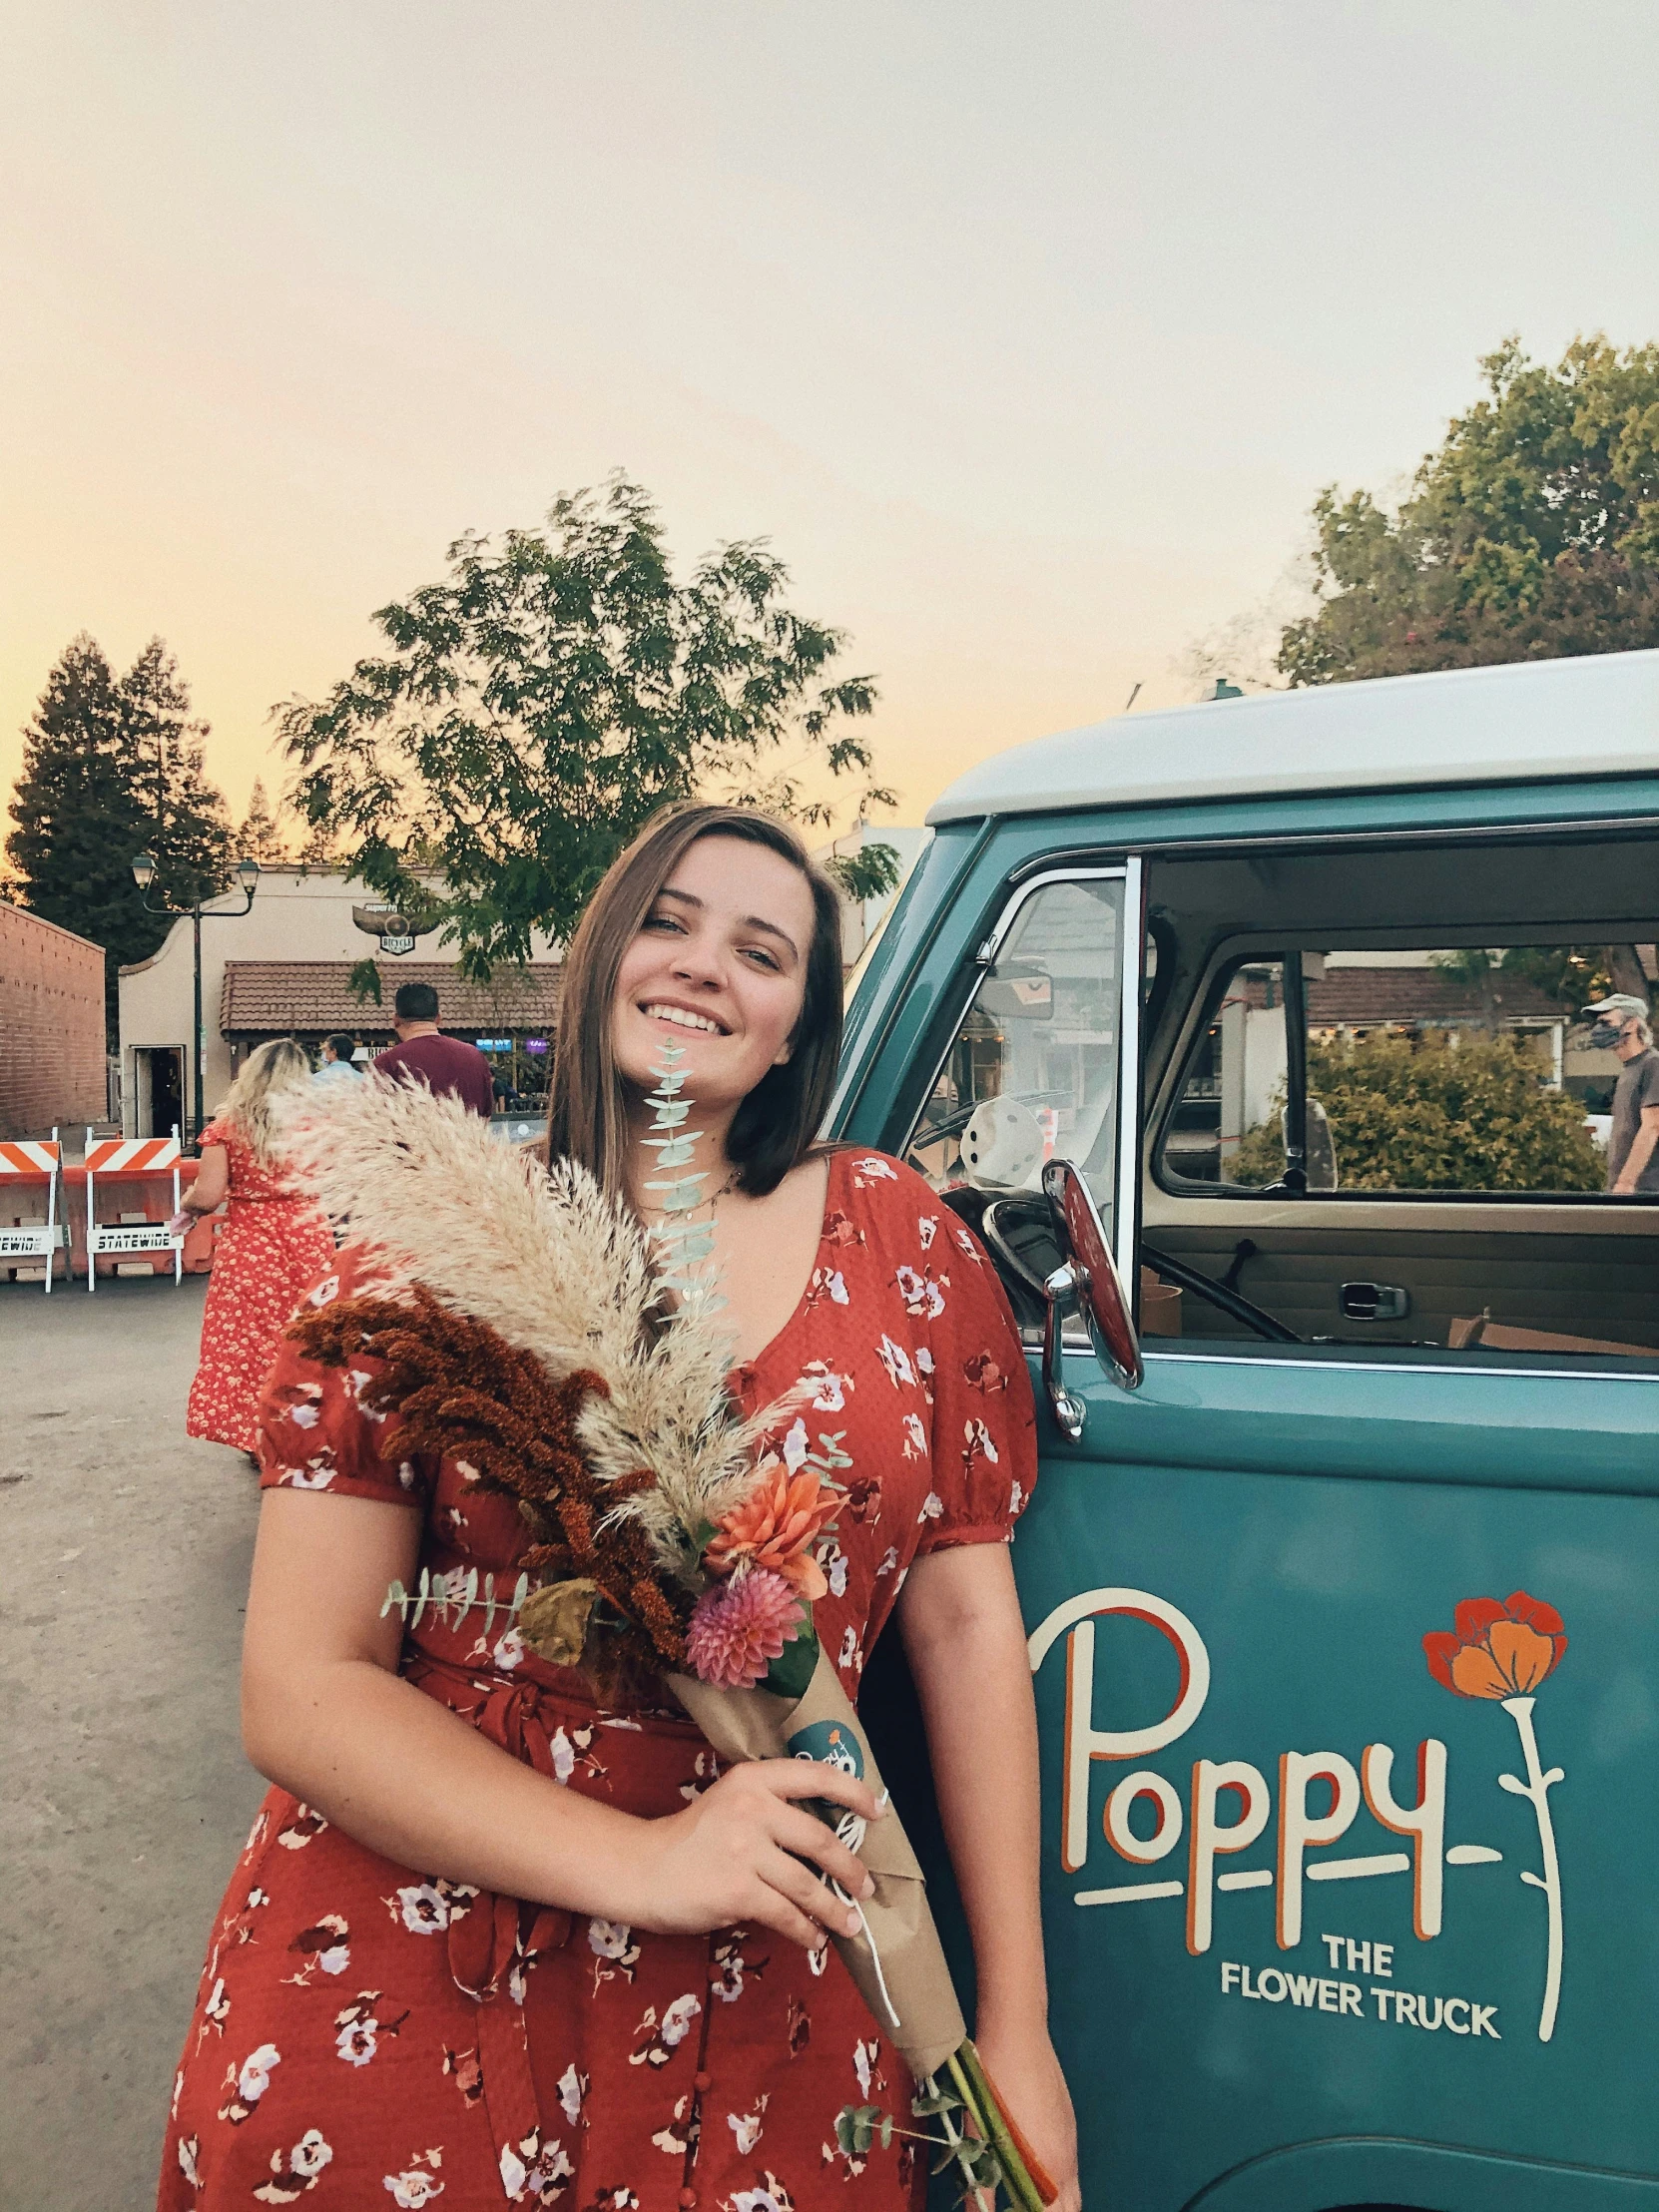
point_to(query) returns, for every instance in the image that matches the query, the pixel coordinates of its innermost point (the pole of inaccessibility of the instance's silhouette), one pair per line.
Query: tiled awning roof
(308, 998)
(1409, 997)
(1360, 996)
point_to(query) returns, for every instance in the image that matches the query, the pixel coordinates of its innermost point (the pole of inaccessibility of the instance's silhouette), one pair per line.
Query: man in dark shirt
(1633, 1142)
(424, 1054)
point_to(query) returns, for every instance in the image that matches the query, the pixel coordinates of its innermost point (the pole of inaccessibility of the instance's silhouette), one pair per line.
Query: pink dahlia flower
(739, 1627)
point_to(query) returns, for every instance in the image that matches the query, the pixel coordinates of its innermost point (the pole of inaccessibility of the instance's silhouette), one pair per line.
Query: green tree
(78, 817)
(1530, 532)
(1571, 974)
(260, 836)
(547, 696)
(1426, 1114)
(189, 829)
(110, 767)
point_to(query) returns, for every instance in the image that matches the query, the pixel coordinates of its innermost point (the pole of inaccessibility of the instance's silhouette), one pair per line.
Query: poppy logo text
(1187, 1841)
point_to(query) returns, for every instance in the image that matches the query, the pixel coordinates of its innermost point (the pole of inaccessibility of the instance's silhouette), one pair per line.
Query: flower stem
(956, 2144)
(1536, 1788)
(1022, 2184)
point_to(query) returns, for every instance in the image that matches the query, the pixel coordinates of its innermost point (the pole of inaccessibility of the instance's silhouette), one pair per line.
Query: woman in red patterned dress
(273, 1247)
(494, 1942)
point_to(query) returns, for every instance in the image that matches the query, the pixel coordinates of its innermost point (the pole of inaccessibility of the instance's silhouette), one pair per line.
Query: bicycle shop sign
(395, 929)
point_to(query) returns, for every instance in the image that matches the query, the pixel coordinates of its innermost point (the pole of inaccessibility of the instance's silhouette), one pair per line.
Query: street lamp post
(247, 874)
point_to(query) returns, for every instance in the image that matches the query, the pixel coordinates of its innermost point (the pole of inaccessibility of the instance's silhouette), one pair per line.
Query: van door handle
(1374, 1301)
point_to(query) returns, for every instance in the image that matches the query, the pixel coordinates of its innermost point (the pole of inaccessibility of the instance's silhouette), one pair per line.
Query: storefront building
(283, 969)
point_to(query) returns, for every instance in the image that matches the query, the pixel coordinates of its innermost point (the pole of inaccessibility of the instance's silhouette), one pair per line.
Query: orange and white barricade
(26, 1162)
(129, 1158)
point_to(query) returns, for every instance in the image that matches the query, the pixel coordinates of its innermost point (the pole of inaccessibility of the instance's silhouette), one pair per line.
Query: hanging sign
(395, 932)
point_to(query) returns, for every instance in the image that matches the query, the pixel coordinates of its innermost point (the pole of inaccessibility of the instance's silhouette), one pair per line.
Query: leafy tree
(1571, 974)
(546, 697)
(110, 767)
(1530, 532)
(260, 836)
(1426, 1114)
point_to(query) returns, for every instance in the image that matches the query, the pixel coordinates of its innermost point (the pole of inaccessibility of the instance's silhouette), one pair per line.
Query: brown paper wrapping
(755, 1724)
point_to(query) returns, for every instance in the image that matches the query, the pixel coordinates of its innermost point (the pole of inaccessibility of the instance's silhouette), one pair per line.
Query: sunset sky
(1026, 333)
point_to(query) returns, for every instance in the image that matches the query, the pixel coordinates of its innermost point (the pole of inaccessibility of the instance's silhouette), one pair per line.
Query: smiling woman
(582, 1958)
(716, 920)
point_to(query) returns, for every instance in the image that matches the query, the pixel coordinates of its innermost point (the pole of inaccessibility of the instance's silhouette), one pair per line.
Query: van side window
(1427, 1146)
(1443, 1070)
(1032, 1069)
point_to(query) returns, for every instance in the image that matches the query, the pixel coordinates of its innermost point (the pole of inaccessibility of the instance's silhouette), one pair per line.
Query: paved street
(125, 1796)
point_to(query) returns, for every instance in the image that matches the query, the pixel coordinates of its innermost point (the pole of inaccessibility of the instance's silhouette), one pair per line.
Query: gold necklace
(711, 1201)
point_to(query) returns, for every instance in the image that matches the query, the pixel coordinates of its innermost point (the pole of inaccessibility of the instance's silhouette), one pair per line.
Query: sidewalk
(127, 1796)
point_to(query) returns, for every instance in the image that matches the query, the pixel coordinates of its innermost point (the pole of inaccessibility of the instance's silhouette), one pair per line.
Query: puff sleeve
(984, 1429)
(314, 1432)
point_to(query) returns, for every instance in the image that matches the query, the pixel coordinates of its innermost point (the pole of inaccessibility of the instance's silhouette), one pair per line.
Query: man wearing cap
(1633, 1143)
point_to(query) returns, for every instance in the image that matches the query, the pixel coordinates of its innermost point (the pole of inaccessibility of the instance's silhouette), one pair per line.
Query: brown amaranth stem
(456, 1388)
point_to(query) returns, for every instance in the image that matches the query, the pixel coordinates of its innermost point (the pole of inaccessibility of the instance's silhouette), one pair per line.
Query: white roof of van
(1593, 716)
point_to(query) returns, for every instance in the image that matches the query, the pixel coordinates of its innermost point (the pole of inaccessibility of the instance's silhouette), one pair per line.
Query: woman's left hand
(1033, 2090)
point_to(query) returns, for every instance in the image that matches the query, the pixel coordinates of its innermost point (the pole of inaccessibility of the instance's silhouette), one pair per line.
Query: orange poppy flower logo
(1498, 1651)
(1503, 1652)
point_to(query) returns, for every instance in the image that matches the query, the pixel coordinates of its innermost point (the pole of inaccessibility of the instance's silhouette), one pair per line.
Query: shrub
(1434, 1113)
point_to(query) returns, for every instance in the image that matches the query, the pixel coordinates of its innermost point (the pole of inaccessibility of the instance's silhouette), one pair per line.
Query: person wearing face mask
(1622, 1021)
(560, 1951)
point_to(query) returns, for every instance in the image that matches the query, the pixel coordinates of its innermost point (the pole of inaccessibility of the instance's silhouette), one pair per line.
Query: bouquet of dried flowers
(524, 1323)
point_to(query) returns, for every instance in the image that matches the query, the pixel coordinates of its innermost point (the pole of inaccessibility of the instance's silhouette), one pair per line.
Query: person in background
(337, 1065)
(1633, 1143)
(446, 1065)
(274, 1246)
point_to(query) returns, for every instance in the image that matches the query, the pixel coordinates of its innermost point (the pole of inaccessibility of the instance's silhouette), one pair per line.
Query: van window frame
(1100, 856)
(1130, 870)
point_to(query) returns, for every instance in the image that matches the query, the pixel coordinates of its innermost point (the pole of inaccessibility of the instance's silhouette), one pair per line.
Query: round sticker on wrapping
(832, 1743)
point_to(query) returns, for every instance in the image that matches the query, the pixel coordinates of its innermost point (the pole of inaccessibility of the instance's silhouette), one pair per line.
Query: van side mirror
(1089, 1277)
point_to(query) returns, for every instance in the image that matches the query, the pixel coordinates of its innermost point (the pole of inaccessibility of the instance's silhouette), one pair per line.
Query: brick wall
(52, 1066)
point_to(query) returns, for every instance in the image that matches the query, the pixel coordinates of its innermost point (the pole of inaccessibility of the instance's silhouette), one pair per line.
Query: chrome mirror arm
(1060, 1289)
(1089, 1276)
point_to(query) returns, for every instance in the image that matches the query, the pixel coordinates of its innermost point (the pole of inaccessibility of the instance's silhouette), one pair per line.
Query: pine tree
(191, 838)
(79, 816)
(322, 852)
(260, 836)
(110, 768)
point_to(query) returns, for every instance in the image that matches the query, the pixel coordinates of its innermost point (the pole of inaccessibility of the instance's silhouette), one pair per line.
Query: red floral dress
(367, 2031)
(271, 1248)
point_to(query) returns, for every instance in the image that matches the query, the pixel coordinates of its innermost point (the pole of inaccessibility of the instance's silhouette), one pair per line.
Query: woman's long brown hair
(777, 1123)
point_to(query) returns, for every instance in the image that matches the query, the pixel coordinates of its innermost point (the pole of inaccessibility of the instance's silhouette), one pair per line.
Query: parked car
(1249, 1036)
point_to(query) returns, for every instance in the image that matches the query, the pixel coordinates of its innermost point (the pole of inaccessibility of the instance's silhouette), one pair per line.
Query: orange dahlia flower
(773, 1527)
(1495, 1650)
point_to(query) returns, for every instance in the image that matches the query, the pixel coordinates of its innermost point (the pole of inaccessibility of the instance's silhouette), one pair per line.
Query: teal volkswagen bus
(1249, 1036)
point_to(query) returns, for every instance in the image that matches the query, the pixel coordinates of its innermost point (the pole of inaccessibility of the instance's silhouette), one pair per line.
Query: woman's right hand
(737, 1852)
